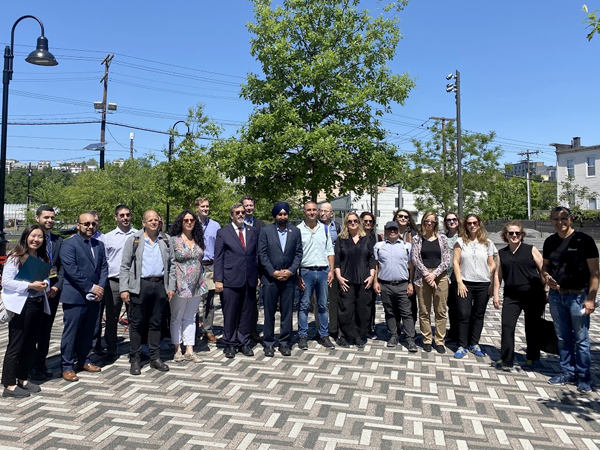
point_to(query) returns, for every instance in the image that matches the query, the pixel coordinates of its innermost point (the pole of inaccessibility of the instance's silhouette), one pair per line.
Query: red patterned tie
(242, 238)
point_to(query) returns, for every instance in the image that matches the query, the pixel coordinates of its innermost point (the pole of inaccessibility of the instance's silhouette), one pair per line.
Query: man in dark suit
(280, 253)
(85, 276)
(236, 278)
(249, 203)
(45, 217)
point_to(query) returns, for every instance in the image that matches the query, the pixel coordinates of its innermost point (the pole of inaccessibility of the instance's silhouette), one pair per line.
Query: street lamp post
(170, 155)
(455, 87)
(41, 57)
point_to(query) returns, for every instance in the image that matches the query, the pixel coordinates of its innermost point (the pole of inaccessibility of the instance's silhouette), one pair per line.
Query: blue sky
(527, 72)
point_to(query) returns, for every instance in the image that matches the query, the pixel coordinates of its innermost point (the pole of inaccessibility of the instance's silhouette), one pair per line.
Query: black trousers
(334, 293)
(281, 292)
(354, 311)
(398, 308)
(452, 310)
(471, 311)
(97, 342)
(23, 331)
(532, 300)
(146, 309)
(114, 305)
(238, 306)
(45, 331)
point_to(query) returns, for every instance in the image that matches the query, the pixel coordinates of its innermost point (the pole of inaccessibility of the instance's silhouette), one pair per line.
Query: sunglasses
(472, 224)
(430, 222)
(514, 233)
(125, 215)
(189, 220)
(367, 221)
(402, 216)
(451, 220)
(353, 221)
(239, 213)
(88, 224)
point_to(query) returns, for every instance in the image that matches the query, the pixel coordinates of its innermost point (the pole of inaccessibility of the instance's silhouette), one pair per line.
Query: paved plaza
(316, 399)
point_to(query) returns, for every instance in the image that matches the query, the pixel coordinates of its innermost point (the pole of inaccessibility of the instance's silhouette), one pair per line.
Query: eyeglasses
(393, 230)
(402, 216)
(451, 220)
(189, 220)
(560, 219)
(239, 213)
(367, 221)
(514, 233)
(125, 215)
(472, 224)
(353, 221)
(88, 224)
(430, 222)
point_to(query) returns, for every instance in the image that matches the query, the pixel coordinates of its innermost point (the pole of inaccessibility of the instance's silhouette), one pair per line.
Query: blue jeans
(314, 281)
(572, 328)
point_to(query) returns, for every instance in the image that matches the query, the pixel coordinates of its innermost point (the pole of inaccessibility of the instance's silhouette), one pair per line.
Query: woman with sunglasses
(431, 258)
(520, 267)
(187, 239)
(474, 268)
(27, 302)
(368, 221)
(354, 270)
(407, 230)
(452, 226)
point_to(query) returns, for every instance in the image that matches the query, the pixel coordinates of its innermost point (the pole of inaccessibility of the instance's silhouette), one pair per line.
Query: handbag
(5, 315)
(548, 338)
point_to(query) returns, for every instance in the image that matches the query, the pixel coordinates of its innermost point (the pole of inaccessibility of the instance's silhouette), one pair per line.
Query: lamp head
(449, 76)
(41, 56)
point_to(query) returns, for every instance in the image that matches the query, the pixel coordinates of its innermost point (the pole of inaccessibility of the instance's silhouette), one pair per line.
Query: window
(591, 166)
(592, 204)
(570, 168)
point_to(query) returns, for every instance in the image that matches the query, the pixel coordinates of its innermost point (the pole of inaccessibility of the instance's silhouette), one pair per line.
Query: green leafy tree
(575, 196)
(434, 174)
(506, 200)
(315, 126)
(193, 172)
(593, 22)
(16, 183)
(543, 195)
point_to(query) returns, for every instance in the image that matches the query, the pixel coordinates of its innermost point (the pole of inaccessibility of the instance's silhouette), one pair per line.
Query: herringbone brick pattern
(315, 399)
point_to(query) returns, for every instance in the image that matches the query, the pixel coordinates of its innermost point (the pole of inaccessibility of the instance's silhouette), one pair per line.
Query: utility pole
(527, 154)
(455, 87)
(130, 145)
(29, 175)
(106, 62)
(444, 158)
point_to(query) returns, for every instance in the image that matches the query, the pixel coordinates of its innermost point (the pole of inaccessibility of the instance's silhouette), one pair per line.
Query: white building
(579, 162)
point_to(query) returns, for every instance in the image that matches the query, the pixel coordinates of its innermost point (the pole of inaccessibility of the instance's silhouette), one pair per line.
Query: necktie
(241, 235)
(49, 246)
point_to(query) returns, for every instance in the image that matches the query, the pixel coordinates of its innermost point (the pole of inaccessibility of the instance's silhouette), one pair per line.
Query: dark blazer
(273, 258)
(82, 269)
(56, 263)
(257, 225)
(235, 266)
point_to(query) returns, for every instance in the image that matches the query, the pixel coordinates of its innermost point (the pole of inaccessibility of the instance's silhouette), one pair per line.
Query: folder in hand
(33, 269)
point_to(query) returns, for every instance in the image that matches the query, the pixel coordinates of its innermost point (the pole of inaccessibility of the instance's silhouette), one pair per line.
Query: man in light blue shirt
(210, 228)
(316, 274)
(114, 241)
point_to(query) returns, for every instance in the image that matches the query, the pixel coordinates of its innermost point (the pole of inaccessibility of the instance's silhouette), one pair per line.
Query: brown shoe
(70, 375)
(89, 367)
(211, 337)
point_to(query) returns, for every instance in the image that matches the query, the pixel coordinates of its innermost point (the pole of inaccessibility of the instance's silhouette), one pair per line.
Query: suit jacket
(273, 258)
(56, 263)
(235, 266)
(82, 269)
(130, 274)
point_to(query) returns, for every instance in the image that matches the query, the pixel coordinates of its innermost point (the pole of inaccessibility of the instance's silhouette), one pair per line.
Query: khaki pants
(426, 296)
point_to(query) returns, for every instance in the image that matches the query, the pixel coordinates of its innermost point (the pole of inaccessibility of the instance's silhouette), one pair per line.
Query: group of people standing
(339, 269)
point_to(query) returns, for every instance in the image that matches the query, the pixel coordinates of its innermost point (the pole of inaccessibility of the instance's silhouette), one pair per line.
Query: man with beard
(280, 253)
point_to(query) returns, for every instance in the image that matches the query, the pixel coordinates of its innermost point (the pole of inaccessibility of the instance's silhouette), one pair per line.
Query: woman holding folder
(24, 282)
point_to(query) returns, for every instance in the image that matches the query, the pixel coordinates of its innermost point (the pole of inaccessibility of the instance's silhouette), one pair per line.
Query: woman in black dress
(354, 270)
(520, 267)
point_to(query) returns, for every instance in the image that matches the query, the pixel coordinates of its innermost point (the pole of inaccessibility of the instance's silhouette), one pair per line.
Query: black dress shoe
(285, 350)
(247, 351)
(135, 368)
(159, 365)
(342, 342)
(269, 352)
(110, 358)
(229, 352)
